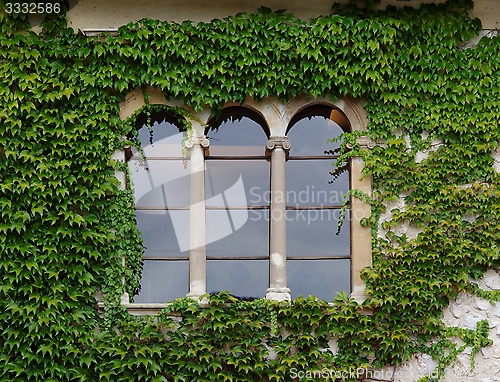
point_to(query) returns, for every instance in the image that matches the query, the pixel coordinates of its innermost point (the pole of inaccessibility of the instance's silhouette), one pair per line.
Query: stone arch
(350, 108)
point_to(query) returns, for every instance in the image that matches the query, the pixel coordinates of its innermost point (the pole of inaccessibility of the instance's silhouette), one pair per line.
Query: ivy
(66, 227)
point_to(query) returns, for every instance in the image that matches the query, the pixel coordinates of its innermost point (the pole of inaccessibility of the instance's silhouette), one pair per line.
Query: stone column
(361, 253)
(278, 146)
(197, 225)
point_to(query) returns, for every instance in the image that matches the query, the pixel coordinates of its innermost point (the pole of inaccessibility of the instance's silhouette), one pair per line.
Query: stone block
(481, 304)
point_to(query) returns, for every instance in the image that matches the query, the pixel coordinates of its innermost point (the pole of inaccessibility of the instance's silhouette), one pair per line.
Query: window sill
(140, 309)
(152, 309)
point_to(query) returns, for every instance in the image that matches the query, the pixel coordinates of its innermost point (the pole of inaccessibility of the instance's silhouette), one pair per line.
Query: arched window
(161, 180)
(237, 203)
(318, 257)
(250, 201)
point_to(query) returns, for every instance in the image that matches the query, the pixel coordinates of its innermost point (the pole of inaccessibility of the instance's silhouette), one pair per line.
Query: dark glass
(165, 233)
(321, 278)
(164, 139)
(310, 135)
(163, 281)
(241, 137)
(313, 233)
(237, 233)
(244, 278)
(309, 183)
(237, 183)
(160, 183)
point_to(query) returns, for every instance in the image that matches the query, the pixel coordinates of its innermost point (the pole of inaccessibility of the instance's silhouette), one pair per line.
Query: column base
(125, 299)
(278, 294)
(197, 296)
(359, 295)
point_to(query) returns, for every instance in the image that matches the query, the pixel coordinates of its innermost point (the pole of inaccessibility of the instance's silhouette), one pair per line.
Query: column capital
(197, 141)
(364, 142)
(278, 142)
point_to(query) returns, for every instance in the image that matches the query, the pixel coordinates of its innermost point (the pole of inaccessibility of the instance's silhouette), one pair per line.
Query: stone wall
(465, 312)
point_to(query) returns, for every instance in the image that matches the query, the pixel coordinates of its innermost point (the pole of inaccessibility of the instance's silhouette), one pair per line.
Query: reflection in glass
(309, 183)
(163, 140)
(164, 232)
(237, 233)
(160, 183)
(244, 278)
(313, 246)
(321, 278)
(163, 281)
(232, 186)
(237, 137)
(310, 135)
(312, 233)
(237, 183)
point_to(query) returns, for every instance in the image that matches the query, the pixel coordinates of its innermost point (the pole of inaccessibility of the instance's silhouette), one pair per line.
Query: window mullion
(197, 223)
(278, 289)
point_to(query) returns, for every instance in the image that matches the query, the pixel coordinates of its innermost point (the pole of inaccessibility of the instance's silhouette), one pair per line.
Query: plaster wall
(98, 14)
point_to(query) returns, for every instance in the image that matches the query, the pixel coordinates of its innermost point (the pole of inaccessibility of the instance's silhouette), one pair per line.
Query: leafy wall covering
(65, 226)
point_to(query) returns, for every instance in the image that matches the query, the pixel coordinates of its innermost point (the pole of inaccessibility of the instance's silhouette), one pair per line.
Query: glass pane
(243, 278)
(309, 136)
(163, 281)
(313, 233)
(164, 140)
(321, 278)
(309, 183)
(238, 138)
(237, 233)
(161, 183)
(237, 183)
(165, 233)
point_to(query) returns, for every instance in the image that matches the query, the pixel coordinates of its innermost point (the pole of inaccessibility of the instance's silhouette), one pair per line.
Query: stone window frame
(277, 116)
